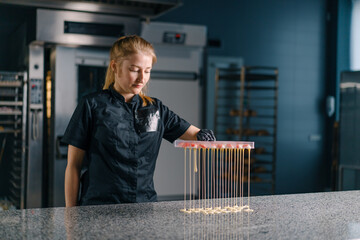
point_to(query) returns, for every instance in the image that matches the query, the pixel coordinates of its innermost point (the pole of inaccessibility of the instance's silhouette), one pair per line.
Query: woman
(114, 135)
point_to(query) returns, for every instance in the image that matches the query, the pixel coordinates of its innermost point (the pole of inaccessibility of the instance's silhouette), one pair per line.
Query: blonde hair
(124, 47)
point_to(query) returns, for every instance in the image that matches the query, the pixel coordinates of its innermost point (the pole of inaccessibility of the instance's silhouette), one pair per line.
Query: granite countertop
(330, 215)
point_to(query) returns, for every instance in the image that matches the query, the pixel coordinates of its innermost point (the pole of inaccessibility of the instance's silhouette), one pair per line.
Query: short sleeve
(174, 126)
(77, 132)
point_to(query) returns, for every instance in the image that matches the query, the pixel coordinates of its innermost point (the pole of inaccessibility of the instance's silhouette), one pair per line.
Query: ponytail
(110, 77)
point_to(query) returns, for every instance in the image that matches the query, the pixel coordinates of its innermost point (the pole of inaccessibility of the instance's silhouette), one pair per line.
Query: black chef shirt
(122, 142)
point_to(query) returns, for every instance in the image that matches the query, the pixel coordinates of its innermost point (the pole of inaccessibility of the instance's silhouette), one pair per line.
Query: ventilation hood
(141, 8)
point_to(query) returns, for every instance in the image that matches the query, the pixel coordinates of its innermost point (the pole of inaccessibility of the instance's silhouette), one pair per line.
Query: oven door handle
(172, 75)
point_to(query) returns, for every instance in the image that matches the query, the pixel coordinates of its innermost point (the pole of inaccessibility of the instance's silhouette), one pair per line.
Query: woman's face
(132, 75)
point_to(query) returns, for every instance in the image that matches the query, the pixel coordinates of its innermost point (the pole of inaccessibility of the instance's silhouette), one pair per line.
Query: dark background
(307, 40)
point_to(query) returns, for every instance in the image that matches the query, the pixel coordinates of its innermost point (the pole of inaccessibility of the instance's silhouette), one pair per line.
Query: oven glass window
(91, 79)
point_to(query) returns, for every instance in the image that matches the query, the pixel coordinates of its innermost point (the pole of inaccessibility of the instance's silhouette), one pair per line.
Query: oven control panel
(35, 91)
(174, 37)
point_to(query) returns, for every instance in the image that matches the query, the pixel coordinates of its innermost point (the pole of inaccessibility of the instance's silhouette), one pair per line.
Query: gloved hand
(205, 135)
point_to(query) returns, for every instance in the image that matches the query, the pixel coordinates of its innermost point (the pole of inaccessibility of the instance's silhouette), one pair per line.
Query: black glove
(205, 135)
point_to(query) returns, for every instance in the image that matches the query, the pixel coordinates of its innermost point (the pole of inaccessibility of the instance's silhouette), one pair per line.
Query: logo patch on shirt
(147, 119)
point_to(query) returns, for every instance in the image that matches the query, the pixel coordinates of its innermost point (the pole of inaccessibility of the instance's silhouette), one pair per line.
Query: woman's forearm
(190, 133)
(72, 183)
(72, 175)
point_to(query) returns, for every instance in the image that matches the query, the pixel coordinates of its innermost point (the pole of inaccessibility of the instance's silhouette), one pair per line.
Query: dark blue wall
(290, 35)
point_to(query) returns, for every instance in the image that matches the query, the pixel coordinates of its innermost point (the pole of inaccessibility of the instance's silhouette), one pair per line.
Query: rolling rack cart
(13, 105)
(246, 110)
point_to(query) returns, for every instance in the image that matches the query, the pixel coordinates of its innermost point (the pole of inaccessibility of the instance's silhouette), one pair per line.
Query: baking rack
(13, 105)
(246, 100)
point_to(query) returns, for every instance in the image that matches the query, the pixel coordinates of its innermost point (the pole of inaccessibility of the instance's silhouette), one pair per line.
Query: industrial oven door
(175, 80)
(78, 71)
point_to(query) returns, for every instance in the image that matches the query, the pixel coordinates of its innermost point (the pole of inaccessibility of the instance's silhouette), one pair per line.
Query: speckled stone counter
(333, 215)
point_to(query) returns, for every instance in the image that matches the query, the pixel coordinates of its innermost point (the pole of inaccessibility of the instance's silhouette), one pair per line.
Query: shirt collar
(117, 95)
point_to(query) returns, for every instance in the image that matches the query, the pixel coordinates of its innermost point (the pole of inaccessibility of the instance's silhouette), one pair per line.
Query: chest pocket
(147, 119)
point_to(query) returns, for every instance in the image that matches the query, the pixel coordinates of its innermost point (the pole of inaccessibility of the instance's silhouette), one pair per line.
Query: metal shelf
(9, 103)
(6, 122)
(249, 77)
(13, 112)
(248, 88)
(254, 125)
(10, 131)
(251, 107)
(11, 83)
(257, 116)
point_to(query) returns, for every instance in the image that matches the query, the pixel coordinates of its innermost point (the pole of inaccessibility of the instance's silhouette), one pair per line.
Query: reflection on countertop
(330, 215)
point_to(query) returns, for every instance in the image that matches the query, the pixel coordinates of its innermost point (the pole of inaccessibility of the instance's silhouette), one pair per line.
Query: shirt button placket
(132, 145)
